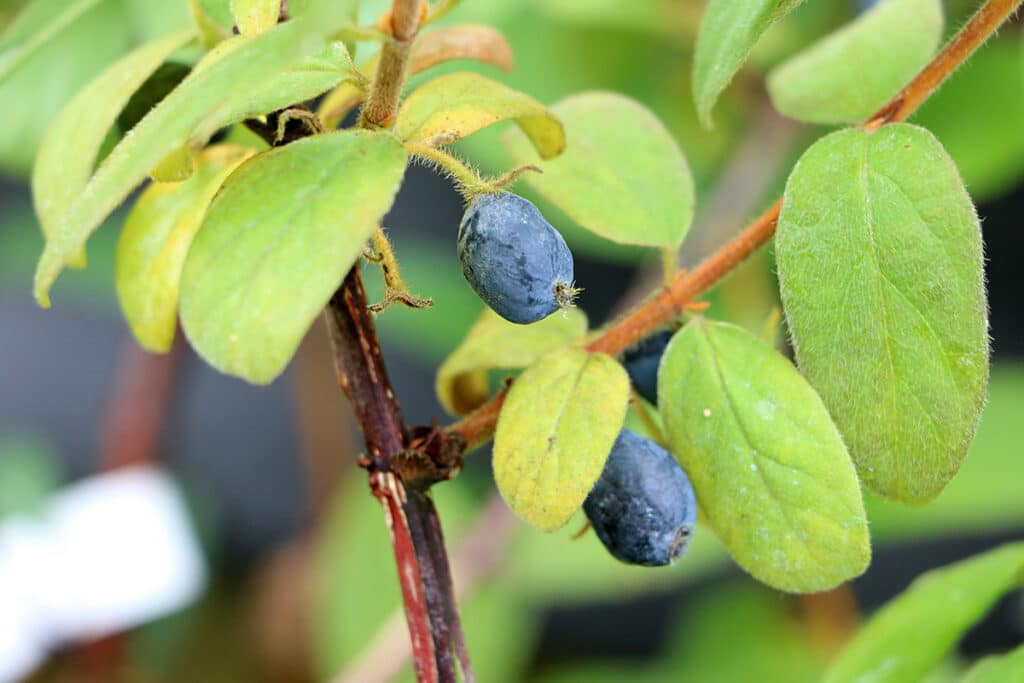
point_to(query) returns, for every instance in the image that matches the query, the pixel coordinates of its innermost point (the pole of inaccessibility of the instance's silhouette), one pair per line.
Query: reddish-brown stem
(670, 302)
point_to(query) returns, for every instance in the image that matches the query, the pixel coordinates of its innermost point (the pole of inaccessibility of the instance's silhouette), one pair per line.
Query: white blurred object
(111, 552)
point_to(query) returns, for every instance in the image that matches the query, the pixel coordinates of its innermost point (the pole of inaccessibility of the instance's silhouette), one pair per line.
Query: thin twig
(478, 427)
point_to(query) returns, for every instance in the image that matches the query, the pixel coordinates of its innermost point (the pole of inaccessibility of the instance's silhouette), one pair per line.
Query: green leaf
(622, 175)
(68, 152)
(255, 16)
(880, 270)
(494, 343)
(555, 432)
(211, 97)
(847, 76)
(451, 107)
(727, 34)
(914, 632)
(276, 243)
(1000, 669)
(770, 470)
(155, 240)
(34, 26)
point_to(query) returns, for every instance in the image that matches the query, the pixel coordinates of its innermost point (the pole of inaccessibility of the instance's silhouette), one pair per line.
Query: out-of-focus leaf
(155, 240)
(255, 16)
(998, 669)
(205, 101)
(848, 75)
(494, 343)
(29, 473)
(727, 33)
(975, 116)
(555, 432)
(880, 270)
(914, 632)
(276, 243)
(770, 470)
(454, 106)
(622, 175)
(48, 79)
(68, 153)
(34, 26)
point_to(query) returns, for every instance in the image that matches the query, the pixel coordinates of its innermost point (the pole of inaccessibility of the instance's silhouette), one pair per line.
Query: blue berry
(513, 259)
(642, 361)
(643, 507)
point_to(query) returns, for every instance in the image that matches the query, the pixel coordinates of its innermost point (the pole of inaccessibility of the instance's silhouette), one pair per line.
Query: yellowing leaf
(770, 470)
(555, 432)
(155, 240)
(494, 343)
(68, 153)
(175, 167)
(452, 107)
(880, 270)
(480, 43)
(255, 16)
(622, 175)
(913, 633)
(276, 243)
(846, 76)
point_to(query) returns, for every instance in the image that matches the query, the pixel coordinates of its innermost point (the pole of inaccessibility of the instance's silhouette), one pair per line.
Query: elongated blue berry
(643, 507)
(642, 361)
(513, 259)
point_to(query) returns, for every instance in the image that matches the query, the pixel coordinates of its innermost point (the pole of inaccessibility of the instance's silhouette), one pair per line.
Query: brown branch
(382, 102)
(670, 302)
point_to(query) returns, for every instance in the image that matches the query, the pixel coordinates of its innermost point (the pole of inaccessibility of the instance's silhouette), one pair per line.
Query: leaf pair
(213, 95)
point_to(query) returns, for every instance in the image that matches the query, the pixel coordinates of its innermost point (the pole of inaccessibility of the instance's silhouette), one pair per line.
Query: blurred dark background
(301, 577)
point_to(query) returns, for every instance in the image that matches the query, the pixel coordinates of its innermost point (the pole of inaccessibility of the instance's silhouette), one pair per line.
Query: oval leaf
(622, 175)
(880, 270)
(728, 31)
(68, 152)
(913, 633)
(35, 25)
(199, 103)
(555, 432)
(771, 473)
(452, 107)
(430, 48)
(155, 241)
(255, 16)
(494, 343)
(276, 243)
(845, 77)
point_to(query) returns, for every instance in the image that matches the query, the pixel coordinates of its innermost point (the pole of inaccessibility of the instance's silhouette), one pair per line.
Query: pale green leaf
(276, 243)
(155, 241)
(622, 175)
(451, 107)
(175, 167)
(34, 26)
(913, 633)
(494, 343)
(728, 31)
(998, 669)
(430, 48)
(255, 16)
(847, 76)
(209, 98)
(880, 270)
(68, 152)
(555, 432)
(770, 470)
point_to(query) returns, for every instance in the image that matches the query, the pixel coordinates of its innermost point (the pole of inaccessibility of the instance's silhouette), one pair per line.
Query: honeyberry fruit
(514, 259)
(642, 507)
(641, 362)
